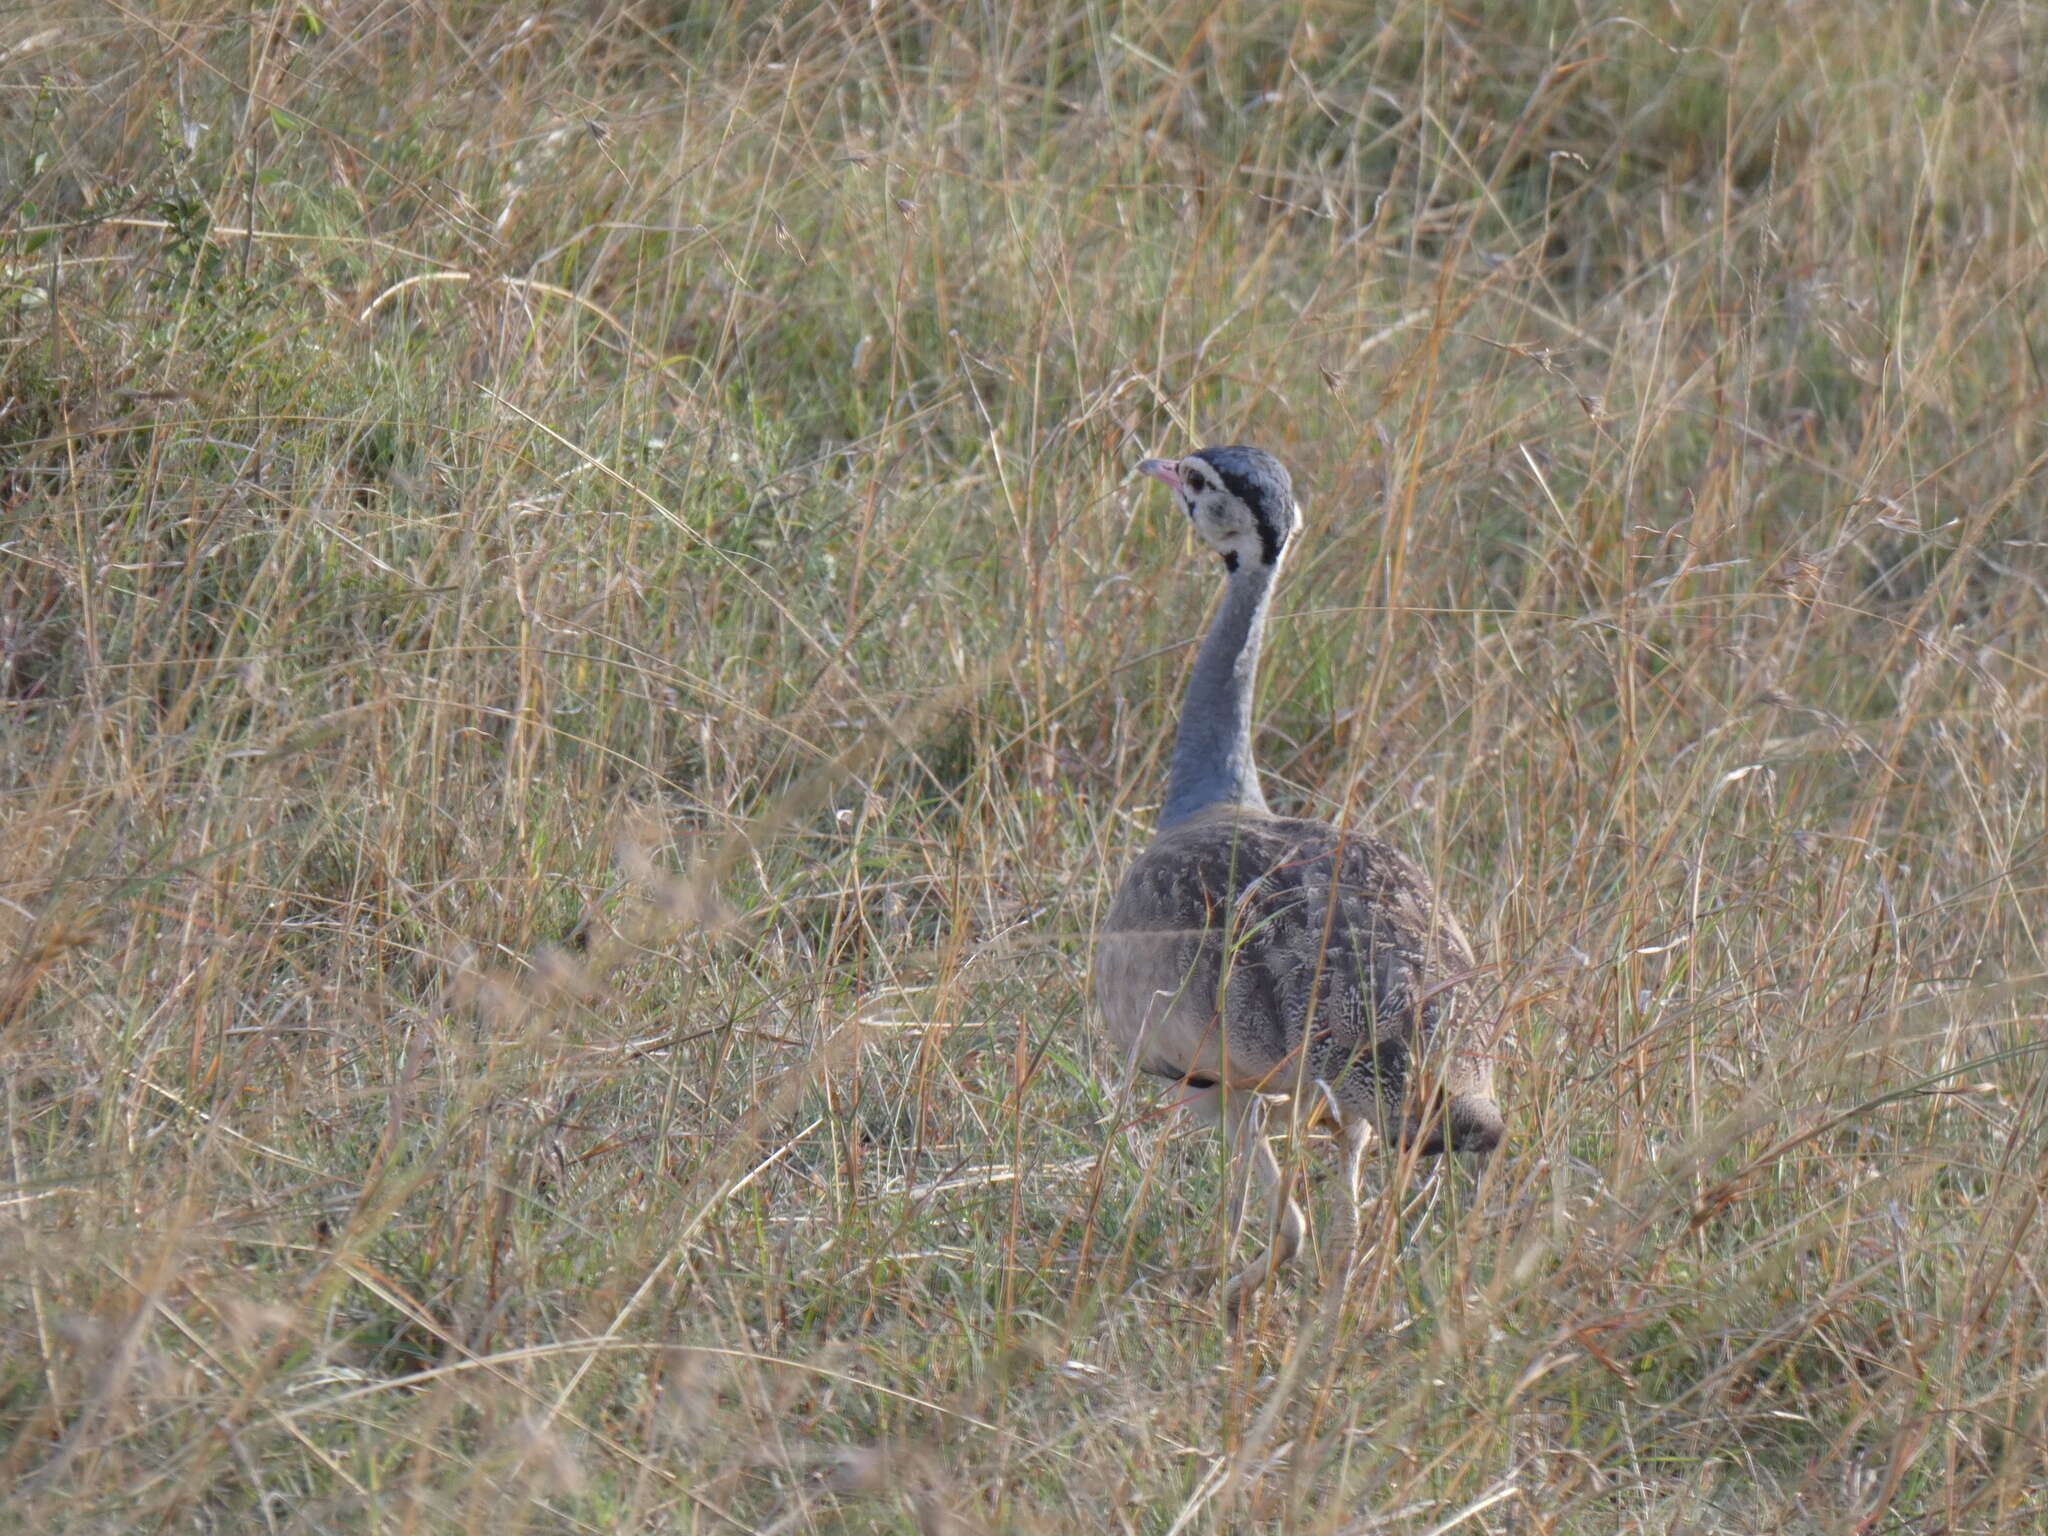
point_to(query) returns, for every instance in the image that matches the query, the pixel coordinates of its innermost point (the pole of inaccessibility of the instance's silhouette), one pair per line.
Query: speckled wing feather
(1271, 953)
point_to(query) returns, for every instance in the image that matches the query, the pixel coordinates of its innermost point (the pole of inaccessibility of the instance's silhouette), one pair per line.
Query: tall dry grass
(578, 654)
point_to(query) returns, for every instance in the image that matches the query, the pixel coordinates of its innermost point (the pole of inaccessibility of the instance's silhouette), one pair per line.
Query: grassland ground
(579, 654)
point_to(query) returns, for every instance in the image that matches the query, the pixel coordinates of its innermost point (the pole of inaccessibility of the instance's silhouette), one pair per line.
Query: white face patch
(1239, 500)
(1223, 521)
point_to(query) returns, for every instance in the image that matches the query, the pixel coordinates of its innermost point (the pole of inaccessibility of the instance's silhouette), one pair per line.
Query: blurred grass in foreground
(578, 654)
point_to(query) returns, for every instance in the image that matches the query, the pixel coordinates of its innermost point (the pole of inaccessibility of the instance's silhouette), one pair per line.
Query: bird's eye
(1196, 482)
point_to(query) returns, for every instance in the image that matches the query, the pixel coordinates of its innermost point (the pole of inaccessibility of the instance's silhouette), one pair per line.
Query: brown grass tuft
(578, 656)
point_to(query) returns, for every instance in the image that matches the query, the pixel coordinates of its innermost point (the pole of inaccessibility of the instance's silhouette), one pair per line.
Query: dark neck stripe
(1253, 496)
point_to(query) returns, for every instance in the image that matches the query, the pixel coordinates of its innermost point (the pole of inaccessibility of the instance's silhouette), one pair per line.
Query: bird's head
(1240, 500)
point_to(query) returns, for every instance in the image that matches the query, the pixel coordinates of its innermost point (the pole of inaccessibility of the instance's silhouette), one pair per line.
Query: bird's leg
(1207, 1106)
(1358, 1134)
(1247, 1133)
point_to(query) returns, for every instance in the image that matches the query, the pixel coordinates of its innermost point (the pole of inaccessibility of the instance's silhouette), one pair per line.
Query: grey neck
(1212, 755)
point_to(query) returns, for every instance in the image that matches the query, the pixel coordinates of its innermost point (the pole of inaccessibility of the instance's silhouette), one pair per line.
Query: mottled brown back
(1271, 953)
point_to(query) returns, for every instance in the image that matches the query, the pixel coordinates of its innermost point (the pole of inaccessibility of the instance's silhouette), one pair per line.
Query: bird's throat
(1212, 754)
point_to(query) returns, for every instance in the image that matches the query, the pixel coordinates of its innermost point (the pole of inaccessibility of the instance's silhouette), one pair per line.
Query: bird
(1264, 962)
